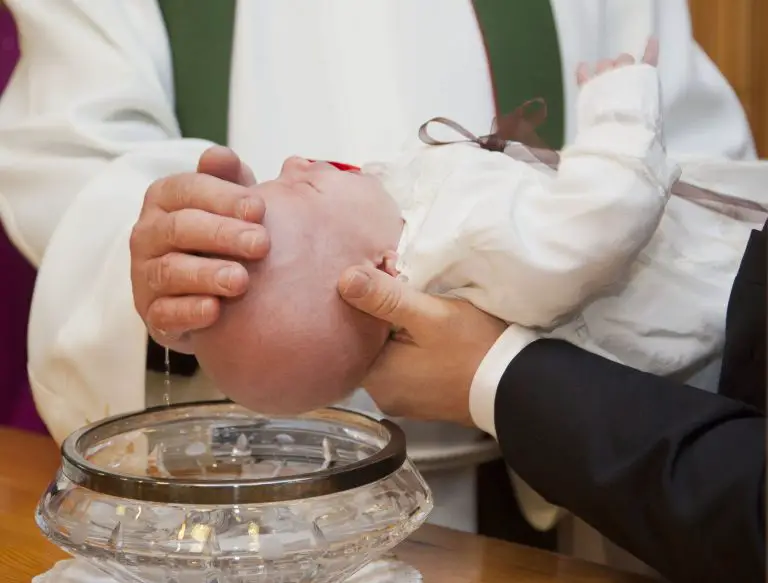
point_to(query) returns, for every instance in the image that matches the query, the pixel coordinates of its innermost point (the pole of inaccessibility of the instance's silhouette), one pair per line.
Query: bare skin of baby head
(291, 344)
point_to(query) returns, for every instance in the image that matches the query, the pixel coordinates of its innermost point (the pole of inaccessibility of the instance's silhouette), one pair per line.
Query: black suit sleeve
(673, 474)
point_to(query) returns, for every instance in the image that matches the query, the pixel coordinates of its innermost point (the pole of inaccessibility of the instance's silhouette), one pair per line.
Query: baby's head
(291, 344)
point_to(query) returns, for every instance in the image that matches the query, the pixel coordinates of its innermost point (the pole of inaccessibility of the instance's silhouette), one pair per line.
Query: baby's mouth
(339, 165)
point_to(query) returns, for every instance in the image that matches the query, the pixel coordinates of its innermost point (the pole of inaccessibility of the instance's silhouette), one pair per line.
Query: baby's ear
(388, 263)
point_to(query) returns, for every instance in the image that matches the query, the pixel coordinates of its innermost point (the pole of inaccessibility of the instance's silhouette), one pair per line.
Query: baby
(595, 253)
(291, 344)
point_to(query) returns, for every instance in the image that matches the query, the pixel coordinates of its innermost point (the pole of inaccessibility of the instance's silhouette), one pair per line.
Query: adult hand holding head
(426, 370)
(212, 212)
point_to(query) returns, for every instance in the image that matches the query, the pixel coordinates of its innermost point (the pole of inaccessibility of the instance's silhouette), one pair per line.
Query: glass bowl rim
(181, 491)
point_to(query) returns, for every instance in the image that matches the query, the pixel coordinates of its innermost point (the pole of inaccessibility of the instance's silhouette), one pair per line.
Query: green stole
(520, 37)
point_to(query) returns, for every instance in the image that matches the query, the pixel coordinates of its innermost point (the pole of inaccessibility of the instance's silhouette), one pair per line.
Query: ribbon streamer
(520, 127)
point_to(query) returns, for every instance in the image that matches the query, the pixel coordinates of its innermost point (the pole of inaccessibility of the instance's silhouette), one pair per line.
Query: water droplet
(167, 379)
(242, 447)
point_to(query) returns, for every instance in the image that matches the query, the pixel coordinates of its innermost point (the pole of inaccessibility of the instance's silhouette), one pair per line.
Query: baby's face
(347, 196)
(291, 344)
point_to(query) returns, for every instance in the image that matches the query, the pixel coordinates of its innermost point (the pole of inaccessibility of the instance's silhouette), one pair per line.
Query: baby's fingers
(651, 56)
(582, 73)
(604, 65)
(624, 60)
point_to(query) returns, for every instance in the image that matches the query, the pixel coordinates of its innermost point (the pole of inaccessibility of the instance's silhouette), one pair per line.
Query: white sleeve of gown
(86, 125)
(537, 252)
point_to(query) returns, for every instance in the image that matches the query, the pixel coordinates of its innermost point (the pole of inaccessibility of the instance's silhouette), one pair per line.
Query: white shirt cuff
(482, 393)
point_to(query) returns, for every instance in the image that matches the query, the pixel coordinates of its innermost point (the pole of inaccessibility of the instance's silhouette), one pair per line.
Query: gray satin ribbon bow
(520, 127)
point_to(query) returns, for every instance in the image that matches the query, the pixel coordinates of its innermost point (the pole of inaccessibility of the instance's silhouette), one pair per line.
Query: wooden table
(28, 462)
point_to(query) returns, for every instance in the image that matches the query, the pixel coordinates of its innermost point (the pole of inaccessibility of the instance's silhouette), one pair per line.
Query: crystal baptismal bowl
(213, 493)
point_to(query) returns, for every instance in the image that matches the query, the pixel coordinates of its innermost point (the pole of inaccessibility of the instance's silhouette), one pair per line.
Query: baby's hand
(584, 71)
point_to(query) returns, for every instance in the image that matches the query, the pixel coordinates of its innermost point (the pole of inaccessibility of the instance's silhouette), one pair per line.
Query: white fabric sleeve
(86, 125)
(482, 393)
(560, 241)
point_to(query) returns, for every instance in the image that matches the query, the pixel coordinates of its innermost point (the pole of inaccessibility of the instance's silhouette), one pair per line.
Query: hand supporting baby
(441, 344)
(212, 211)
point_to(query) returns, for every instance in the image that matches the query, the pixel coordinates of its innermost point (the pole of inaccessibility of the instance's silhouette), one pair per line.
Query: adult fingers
(197, 231)
(206, 193)
(223, 163)
(173, 317)
(386, 298)
(176, 274)
(385, 387)
(651, 56)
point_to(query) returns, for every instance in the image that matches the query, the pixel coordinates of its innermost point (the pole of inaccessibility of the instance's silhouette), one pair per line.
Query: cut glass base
(321, 539)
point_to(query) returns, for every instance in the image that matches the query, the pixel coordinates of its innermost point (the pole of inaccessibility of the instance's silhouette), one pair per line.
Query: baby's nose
(294, 167)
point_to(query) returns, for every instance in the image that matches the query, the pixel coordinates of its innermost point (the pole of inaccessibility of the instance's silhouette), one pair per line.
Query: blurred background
(734, 35)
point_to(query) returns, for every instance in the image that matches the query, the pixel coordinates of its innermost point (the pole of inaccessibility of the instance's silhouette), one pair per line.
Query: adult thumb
(382, 296)
(222, 163)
